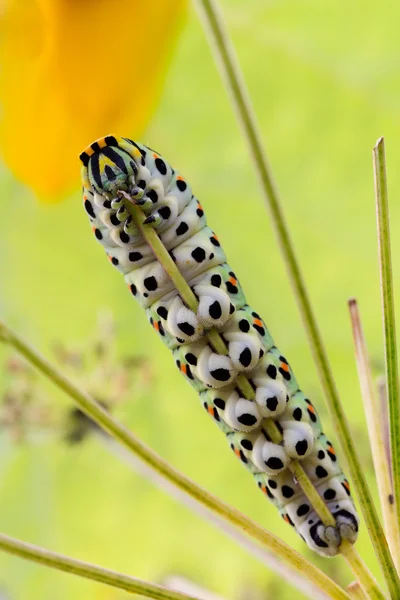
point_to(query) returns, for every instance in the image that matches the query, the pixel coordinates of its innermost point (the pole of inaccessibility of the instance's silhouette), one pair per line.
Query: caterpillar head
(109, 166)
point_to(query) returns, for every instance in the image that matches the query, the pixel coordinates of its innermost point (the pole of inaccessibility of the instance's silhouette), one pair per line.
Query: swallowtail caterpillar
(117, 171)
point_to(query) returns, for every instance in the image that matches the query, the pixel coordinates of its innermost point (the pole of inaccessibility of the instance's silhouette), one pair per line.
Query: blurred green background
(325, 82)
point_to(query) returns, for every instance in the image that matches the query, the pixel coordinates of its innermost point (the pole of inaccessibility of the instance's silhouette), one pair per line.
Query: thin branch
(120, 433)
(88, 571)
(384, 419)
(373, 414)
(388, 314)
(367, 581)
(225, 56)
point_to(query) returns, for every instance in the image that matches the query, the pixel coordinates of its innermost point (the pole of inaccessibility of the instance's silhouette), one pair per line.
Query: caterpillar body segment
(117, 171)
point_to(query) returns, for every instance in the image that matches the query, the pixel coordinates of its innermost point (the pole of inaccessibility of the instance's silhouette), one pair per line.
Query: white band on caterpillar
(271, 396)
(241, 414)
(298, 439)
(269, 457)
(244, 350)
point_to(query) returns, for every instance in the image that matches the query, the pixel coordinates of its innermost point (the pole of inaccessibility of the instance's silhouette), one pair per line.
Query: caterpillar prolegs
(117, 171)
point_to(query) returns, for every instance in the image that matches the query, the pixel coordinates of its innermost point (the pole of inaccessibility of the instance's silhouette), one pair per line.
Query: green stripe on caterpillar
(116, 171)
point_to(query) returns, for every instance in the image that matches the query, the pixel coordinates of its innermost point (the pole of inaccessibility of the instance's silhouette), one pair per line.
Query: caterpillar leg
(235, 413)
(271, 396)
(274, 366)
(251, 446)
(221, 276)
(326, 540)
(215, 306)
(269, 457)
(298, 439)
(241, 421)
(216, 278)
(325, 473)
(163, 214)
(152, 194)
(301, 410)
(215, 370)
(241, 414)
(182, 322)
(244, 350)
(347, 521)
(183, 325)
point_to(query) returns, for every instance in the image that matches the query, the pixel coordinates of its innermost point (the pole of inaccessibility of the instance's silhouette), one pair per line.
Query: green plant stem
(384, 417)
(225, 56)
(122, 435)
(365, 578)
(388, 314)
(88, 571)
(374, 416)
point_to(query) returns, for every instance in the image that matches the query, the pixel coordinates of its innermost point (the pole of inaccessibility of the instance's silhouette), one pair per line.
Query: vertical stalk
(374, 415)
(366, 580)
(388, 314)
(384, 419)
(225, 57)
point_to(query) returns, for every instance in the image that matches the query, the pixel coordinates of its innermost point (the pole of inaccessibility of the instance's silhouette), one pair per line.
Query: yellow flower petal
(72, 71)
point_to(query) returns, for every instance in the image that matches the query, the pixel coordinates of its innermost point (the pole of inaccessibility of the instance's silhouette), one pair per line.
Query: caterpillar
(116, 171)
